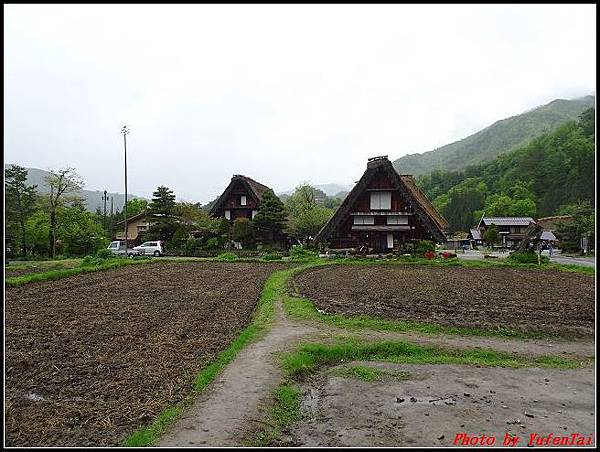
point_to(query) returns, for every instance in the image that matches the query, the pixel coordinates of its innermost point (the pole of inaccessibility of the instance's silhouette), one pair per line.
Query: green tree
(163, 202)
(63, 184)
(582, 224)
(491, 236)
(161, 210)
(20, 200)
(463, 199)
(271, 215)
(306, 215)
(243, 231)
(135, 206)
(79, 232)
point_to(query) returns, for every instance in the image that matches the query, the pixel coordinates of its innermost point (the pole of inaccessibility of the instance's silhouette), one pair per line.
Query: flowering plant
(429, 254)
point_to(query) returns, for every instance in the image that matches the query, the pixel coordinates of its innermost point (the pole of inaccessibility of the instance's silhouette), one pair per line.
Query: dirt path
(221, 416)
(234, 405)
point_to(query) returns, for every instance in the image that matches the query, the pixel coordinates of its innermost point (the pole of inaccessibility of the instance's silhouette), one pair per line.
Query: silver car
(154, 248)
(118, 247)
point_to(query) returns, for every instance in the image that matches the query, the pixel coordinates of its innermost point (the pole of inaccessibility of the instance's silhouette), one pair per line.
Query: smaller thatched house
(241, 199)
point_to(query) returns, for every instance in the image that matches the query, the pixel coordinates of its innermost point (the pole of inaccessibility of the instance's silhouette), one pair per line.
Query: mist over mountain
(92, 198)
(499, 138)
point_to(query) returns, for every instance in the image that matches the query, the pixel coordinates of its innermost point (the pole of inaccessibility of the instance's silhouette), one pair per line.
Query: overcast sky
(283, 94)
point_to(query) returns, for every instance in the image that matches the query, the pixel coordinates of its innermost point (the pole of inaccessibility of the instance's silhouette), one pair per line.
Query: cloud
(282, 93)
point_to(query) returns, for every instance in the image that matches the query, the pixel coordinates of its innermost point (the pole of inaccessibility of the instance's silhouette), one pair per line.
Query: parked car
(118, 247)
(150, 248)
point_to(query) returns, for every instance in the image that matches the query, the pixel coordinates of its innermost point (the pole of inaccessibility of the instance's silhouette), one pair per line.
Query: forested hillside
(501, 137)
(541, 178)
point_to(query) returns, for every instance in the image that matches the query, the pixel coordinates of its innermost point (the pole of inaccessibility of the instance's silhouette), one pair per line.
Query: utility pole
(104, 198)
(112, 220)
(125, 131)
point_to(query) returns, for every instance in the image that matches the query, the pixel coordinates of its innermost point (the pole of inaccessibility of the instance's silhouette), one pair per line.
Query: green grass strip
(369, 373)
(16, 281)
(308, 358)
(274, 287)
(284, 412)
(456, 262)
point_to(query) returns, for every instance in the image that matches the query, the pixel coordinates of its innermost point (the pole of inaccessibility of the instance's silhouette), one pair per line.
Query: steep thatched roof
(255, 188)
(426, 212)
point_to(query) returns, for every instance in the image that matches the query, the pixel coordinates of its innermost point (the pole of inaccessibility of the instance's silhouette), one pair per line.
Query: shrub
(230, 257)
(527, 257)
(423, 246)
(301, 252)
(104, 254)
(272, 257)
(429, 254)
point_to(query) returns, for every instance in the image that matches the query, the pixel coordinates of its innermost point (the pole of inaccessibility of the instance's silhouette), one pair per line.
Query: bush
(423, 246)
(300, 252)
(229, 257)
(272, 257)
(104, 254)
(527, 257)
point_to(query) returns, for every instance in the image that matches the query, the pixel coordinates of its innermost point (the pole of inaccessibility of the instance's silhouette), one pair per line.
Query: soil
(523, 300)
(91, 358)
(231, 411)
(10, 272)
(437, 402)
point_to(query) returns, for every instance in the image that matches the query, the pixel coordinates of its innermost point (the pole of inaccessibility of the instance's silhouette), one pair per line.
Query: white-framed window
(381, 200)
(228, 214)
(390, 240)
(243, 200)
(364, 219)
(397, 219)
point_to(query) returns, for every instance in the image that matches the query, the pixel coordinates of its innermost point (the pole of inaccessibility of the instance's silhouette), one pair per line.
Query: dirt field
(91, 358)
(437, 402)
(524, 300)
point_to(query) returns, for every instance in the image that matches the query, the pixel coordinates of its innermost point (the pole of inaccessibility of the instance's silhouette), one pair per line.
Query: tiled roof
(476, 234)
(508, 221)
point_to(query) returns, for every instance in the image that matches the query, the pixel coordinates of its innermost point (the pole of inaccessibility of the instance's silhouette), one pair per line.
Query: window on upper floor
(381, 200)
(243, 200)
(364, 219)
(397, 219)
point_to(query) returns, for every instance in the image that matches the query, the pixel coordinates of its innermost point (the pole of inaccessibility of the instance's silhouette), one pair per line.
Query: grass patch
(308, 358)
(303, 309)
(284, 412)
(440, 262)
(274, 287)
(16, 281)
(369, 373)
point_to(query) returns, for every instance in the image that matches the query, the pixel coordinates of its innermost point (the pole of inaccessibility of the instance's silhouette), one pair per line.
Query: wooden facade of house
(241, 199)
(136, 226)
(384, 211)
(512, 230)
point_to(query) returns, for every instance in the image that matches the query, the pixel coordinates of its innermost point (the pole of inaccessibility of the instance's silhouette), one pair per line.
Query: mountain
(331, 190)
(550, 175)
(92, 198)
(501, 137)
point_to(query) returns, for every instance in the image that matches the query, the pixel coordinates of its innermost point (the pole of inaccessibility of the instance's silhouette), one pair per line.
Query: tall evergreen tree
(20, 201)
(271, 215)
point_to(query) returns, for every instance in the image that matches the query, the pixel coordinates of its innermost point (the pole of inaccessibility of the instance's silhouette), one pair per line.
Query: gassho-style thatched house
(241, 199)
(384, 211)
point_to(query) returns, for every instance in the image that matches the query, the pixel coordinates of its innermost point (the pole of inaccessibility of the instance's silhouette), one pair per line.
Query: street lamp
(125, 132)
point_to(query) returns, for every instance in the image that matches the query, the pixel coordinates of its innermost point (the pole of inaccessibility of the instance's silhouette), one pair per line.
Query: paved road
(559, 259)
(586, 261)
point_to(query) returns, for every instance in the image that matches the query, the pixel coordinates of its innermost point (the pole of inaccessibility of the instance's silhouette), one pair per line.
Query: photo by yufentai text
(532, 439)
